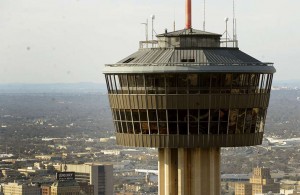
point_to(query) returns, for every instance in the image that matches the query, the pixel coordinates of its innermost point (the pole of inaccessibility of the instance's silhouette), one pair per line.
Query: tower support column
(189, 171)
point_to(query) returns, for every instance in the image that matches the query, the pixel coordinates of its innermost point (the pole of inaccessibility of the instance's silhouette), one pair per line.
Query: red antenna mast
(188, 14)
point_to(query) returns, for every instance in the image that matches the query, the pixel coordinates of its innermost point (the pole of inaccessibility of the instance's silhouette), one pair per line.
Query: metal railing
(193, 64)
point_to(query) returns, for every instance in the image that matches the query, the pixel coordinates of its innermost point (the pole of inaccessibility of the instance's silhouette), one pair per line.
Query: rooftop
(183, 32)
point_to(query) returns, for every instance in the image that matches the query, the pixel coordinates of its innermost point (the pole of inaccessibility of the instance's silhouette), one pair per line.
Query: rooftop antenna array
(204, 18)
(234, 36)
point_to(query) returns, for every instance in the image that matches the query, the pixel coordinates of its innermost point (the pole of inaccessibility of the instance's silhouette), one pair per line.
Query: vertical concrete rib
(192, 171)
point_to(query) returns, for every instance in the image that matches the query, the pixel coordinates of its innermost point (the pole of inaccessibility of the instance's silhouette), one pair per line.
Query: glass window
(137, 127)
(183, 128)
(153, 128)
(140, 84)
(150, 83)
(161, 115)
(135, 115)
(203, 127)
(214, 115)
(152, 115)
(110, 83)
(163, 128)
(204, 83)
(233, 115)
(214, 129)
(203, 115)
(113, 83)
(116, 114)
(122, 114)
(116, 126)
(130, 127)
(172, 127)
(143, 115)
(119, 125)
(124, 83)
(118, 85)
(171, 81)
(145, 128)
(254, 119)
(124, 127)
(128, 115)
(193, 128)
(193, 83)
(182, 115)
(172, 115)
(182, 84)
(131, 84)
(241, 121)
(160, 83)
(107, 83)
(248, 120)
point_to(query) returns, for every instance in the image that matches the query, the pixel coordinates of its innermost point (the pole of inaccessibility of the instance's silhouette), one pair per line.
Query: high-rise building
(260, 183)
(20, 189)
(98, 175)
(188, 96)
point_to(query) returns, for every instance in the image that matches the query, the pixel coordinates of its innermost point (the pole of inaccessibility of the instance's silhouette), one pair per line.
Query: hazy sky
(58, 41)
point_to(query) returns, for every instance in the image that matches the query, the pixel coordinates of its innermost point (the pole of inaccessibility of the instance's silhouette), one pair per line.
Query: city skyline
(70, 41)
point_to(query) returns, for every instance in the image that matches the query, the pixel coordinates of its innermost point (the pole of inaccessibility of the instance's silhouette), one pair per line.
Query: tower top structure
(188, 96)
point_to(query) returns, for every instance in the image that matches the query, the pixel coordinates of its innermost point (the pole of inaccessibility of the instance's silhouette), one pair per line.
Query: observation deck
(188, 92)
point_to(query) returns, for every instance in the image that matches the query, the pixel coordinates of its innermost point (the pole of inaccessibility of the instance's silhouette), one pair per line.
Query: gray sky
(65, 41)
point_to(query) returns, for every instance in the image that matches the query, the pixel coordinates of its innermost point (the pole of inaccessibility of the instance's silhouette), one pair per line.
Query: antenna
(233, 22)
(152, 18)
(234, 37)
(188, 14)
(174, 24)
(226, 20)
(146, 31)
(204, 18)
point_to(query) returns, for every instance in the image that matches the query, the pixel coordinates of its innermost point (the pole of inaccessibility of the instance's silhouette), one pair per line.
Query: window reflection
(203, 83)
(193, 121)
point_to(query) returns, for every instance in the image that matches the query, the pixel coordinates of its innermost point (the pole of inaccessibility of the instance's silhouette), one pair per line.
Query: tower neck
(188, 14)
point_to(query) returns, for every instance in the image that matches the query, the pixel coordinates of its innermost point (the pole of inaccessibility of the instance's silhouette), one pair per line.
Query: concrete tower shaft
(189, 171)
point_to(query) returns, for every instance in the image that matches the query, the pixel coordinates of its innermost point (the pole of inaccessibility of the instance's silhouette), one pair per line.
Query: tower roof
(188, 32)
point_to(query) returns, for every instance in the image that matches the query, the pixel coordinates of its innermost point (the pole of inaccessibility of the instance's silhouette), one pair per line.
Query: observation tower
(188, 97)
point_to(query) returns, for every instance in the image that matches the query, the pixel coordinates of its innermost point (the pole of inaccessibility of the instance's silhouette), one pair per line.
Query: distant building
(243, 189)
(10, 173)
(260, 183)
(20, 189)
(65, 184)
(98, 175)
(46, 190)
(86, 188)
